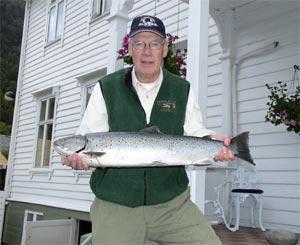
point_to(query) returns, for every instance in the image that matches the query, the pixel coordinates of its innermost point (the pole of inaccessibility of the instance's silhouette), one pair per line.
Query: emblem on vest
(166, 105)
(147, 21)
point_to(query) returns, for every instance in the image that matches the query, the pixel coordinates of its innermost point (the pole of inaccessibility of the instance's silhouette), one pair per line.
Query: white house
(69, 44)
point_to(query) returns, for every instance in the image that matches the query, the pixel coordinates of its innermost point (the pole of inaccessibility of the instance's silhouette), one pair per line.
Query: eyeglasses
(140, 45)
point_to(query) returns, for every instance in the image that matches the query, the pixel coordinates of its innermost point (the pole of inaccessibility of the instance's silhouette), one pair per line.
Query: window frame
(26, 214)
(55, 4)
(104, 8)
(45, 124)
(40, 95)
(87, 80)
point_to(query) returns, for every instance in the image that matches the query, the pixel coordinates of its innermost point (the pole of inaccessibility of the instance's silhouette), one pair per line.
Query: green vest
(139, 186)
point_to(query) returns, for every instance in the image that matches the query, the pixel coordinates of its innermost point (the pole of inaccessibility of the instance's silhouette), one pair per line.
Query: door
(48, 232)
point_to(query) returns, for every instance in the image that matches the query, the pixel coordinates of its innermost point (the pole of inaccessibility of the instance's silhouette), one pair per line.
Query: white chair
(240, 181)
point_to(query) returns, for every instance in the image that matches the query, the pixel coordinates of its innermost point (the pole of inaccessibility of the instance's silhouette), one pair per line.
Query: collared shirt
(95, 118)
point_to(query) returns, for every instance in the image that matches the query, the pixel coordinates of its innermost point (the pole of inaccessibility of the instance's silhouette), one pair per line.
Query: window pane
(107, 5)
(96, 7)
(89, 91)
(38, 158)
(59, 22)
(47, 145)
(39, 217)
(29, 217)
(43, 110)
(51, 27)
(51, 108)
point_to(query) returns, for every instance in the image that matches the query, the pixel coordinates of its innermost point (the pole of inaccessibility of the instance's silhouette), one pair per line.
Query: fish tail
(240, 146)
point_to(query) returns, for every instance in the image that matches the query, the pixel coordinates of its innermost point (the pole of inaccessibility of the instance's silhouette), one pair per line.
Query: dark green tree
(11, 27)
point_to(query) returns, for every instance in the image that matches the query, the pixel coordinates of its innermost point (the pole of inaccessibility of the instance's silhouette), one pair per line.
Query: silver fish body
(144, 149)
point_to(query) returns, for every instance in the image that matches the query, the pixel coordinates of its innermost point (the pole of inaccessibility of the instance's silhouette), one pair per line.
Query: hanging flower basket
(284, 105)
(174, 62)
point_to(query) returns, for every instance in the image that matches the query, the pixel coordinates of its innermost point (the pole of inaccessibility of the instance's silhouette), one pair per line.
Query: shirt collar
(136, 83)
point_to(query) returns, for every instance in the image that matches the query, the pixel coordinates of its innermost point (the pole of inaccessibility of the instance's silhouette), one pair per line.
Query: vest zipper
(145, 187)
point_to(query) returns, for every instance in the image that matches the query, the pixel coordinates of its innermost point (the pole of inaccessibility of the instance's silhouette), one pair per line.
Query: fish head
(70, 145)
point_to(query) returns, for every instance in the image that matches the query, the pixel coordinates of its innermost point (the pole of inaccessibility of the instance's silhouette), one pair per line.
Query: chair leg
(237, 212)
(253, 206)
(230, 213)
(260, 213)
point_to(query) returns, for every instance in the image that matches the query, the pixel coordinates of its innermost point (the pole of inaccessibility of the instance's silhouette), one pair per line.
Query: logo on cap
(147, 21)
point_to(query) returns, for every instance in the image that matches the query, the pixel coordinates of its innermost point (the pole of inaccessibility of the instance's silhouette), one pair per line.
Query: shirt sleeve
(95, 117)
(193, 125)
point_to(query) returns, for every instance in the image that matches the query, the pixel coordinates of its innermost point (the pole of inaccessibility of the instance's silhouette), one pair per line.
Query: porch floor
(244, 236)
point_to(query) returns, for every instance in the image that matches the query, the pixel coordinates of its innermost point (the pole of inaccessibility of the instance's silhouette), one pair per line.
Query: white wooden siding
(276, 151)
(84, 48)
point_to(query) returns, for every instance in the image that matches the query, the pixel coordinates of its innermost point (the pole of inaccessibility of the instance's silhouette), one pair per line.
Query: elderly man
(137, 204)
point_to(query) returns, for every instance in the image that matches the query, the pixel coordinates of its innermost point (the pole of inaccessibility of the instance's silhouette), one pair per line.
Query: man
(137, 204)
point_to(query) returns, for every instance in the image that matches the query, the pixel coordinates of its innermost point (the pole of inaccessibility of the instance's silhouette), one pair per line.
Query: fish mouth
(62, 149)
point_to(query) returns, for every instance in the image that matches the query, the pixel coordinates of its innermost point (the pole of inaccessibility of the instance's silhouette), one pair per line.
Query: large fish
(148, 148)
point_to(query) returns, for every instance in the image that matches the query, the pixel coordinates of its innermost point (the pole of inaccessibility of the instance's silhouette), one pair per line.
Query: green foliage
(11, 26)
(5, 129)
(284, 108)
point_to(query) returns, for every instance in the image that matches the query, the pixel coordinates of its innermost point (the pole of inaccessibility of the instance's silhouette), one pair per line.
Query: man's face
(147, 59)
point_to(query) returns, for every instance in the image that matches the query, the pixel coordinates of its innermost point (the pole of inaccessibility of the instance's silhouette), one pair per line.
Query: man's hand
(223, 154)
(75, 161)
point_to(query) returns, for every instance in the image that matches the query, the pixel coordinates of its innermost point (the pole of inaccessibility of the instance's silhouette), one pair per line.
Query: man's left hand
(224, 154)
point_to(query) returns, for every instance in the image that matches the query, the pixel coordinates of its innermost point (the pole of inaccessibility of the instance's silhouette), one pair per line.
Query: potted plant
(174, 62)
(284, 106)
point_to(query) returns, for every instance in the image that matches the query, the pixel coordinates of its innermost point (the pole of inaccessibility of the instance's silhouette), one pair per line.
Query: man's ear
(129, 48)
(165, 50)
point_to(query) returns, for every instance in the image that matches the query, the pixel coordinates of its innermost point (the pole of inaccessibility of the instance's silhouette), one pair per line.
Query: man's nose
(147, 50)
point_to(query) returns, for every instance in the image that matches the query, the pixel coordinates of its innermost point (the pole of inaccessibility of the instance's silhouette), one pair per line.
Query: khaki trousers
(178, 221)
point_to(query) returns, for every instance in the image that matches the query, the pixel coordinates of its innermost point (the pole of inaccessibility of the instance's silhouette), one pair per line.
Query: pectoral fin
(93, 154)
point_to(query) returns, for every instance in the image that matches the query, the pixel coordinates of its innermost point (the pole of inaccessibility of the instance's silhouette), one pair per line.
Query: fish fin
(202, 161)
(93, 153)
(240, 146)
(151, 129)
(159, 163)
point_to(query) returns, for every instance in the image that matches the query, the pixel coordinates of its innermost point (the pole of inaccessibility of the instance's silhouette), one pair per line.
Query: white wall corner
(225, 25)
(197, 58)
(118, 21)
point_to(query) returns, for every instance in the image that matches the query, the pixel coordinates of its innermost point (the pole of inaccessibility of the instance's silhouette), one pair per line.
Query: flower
(123, 51)
(284, 107)
(174, 62)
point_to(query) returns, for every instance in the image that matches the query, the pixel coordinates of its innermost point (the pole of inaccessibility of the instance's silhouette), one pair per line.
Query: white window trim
(85, 80)
(39, 95)
(92, 20)
(91, 10)
(61, 38)
(35, 214)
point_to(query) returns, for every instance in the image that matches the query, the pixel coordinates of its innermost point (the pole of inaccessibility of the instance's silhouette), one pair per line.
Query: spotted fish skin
(144, 149)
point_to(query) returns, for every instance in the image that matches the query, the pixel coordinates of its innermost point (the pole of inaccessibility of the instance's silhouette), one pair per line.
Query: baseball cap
(147, 23)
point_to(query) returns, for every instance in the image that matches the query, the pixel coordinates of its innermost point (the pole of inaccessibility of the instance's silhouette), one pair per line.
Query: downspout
(17, 102)
(234, 74)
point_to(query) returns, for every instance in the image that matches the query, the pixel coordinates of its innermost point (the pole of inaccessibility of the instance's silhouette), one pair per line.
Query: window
(87, 83)
(30, 216)
(88, 91)
(55, 20)
(44, 135)
(100, 7)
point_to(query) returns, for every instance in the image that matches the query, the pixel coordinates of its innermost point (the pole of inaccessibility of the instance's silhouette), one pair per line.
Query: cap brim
(147, 30)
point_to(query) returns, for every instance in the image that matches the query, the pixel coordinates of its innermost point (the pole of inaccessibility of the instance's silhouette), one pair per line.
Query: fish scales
(134, 149)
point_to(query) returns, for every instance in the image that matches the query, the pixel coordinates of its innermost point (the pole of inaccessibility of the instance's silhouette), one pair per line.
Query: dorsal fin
(151, 129)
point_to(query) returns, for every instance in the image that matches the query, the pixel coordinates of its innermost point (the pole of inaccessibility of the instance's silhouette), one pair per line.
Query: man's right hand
(75, 161)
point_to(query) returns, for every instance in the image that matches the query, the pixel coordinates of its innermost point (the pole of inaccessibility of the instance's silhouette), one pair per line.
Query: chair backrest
(242, 178)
